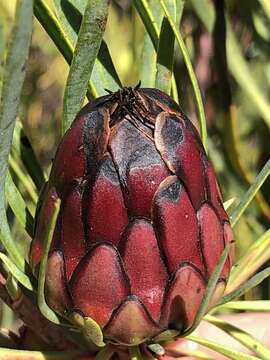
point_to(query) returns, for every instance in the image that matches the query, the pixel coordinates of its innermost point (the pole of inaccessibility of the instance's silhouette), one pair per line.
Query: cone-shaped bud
(141, 225)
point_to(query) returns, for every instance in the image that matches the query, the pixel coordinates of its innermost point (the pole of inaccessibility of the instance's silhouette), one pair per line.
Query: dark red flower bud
(141, 225)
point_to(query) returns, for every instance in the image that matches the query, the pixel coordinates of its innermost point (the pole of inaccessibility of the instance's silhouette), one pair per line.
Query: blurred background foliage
(238, 132)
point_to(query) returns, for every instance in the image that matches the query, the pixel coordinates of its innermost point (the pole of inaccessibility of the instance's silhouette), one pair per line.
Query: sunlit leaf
(236, 61)
(255, 280)
(87, 47)
(165, 52)
(18, 206)
(227, 351)
(18, 274)
(104, 75)
(12, 84)
(240, 335)
(247, 305)
(249, 195)
(23, 149)
(252, 260)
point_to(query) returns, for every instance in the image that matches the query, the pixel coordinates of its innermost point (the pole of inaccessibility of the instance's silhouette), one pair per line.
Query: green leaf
(56, 32)
(104, 74)
(23, 149)
(209, 291)
(151, 17)
(18, 206)
(148, 19)
(87, 47)
(236, 61)
(52, 26)
(14, 74)
(229, 352)
(149, 56)
(240, 335)
(253, 259)
(227, 204)
(165, 52)
(242, 74)
(24, 178)
(43, 307)
(247, 305)
(192, 76)
(266, 6)
(18, 274)
(251, 283)
(252, 191)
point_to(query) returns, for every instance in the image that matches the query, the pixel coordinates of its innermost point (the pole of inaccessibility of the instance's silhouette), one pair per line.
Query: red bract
(141, 225)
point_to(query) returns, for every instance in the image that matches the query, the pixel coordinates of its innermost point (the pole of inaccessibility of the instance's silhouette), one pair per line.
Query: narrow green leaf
(151, 19)
(266, 6)
(240, 335)
(236, 61)
(23, 178)
(43, 307)
(249, 195)
(227, 204)
(17, 273)
(14, 73)
(18, 206)
(165, 52)
(251, 283)
(209, 290)
(254, 258)
(87, 47)
(148, 74)
(247, 305)
(12, 287)
(149, 22)
(179, 10)
(56, 32)
(104, 74)
(229, 352)
(50, 23)
(149, 56)
(242, 74)
(23, 149)
(174, 91)
(191, 73)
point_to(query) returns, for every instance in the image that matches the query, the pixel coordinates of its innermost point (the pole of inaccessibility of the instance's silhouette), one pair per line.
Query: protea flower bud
(141, 225)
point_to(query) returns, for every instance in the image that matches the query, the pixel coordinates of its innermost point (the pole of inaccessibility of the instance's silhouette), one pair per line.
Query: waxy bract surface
(141, 225)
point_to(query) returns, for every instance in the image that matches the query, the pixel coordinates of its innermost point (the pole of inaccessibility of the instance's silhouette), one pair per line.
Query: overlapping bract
(141, 225)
